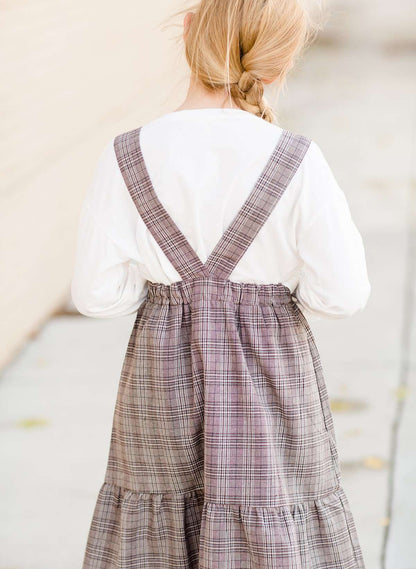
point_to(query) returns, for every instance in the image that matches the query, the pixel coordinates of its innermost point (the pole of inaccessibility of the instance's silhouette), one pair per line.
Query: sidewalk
(355, 96)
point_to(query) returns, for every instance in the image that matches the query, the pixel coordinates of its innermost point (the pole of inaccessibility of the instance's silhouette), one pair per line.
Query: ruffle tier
(131, 530)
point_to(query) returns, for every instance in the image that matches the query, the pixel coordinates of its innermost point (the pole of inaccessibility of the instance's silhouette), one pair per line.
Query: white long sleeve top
(203, 163)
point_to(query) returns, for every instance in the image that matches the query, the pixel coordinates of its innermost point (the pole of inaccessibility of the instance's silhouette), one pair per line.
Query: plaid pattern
(223, 451)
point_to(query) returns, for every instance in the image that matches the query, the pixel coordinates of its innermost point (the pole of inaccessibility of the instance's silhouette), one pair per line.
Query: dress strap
(160, 224)
(269, 187)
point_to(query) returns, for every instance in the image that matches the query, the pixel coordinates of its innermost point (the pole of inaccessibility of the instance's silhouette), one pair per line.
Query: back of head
(238, 45)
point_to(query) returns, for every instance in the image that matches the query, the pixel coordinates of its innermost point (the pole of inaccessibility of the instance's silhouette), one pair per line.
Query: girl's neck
(198, 97)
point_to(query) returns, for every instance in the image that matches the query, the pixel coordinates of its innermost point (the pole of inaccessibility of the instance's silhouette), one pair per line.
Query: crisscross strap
(269, 187)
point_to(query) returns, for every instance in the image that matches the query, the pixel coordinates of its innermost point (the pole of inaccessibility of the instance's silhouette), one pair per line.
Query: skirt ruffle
(132, 530)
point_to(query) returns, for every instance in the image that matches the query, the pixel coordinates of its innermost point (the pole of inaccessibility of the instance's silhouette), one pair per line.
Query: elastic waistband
(188, 291)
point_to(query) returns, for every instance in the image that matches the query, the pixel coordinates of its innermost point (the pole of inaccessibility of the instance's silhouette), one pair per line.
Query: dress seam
(242, 506)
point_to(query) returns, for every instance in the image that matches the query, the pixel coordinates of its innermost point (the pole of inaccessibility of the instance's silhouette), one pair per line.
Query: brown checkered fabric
(223, 452)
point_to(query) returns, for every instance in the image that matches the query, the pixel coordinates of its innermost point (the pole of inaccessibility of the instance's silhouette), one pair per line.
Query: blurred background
(75, 74)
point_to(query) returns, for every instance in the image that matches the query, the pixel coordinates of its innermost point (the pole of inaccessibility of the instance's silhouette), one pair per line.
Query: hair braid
(238, 46)
(248, 93)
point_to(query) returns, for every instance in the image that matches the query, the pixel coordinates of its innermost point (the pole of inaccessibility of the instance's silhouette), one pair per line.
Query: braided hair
(239, 45)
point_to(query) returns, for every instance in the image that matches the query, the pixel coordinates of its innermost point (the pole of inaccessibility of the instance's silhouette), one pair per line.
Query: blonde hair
(235, 45)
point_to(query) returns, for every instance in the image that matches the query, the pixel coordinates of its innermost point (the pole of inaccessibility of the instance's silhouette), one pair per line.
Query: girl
(225, 233)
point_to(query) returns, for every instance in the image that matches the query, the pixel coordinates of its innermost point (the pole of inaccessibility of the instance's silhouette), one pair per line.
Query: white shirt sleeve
(107, 278)
(333, 280)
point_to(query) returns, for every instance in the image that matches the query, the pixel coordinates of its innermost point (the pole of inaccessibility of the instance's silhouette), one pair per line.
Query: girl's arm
(107, 280)
(333, 279)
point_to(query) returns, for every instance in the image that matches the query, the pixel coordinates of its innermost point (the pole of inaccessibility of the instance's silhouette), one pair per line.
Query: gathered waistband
(188, 291)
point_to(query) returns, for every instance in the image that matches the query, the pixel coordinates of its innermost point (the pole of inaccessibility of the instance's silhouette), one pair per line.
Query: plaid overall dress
(223, 452)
